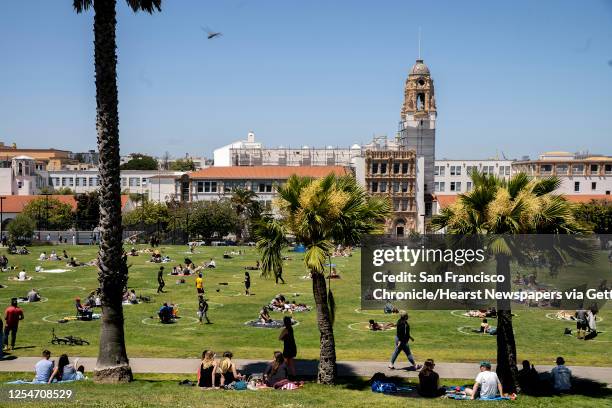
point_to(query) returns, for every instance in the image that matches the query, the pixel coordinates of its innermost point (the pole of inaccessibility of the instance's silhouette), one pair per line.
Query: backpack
(384, 387)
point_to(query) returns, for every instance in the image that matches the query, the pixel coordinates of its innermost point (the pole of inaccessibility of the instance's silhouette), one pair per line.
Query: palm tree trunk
(112, 364)
(506, 346)
(327, 358)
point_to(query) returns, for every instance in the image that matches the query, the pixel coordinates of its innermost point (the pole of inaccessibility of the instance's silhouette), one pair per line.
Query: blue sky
(517, 77)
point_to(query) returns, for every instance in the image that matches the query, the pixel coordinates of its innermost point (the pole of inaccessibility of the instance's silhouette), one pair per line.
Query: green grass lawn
(437, 333)
(162, 390)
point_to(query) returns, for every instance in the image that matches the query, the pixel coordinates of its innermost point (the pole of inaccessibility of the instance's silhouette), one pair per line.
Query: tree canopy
(186, 164)
(50, 213)
(140, 162)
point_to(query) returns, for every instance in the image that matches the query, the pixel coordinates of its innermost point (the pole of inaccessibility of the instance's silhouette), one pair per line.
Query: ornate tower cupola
(419, 100)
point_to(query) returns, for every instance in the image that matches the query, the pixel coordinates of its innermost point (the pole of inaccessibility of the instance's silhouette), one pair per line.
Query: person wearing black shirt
(203, 309)
(160, 280)
(429, 381)
(401, 341)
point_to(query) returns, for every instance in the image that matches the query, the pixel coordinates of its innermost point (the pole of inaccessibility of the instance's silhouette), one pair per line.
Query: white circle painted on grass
(224, 293)
(248, 323)
(183, 321)
(211, 305)
(62, 287)
(63, 315)
(8, 299)
(365, 327)
(554, 316)
(470, 331)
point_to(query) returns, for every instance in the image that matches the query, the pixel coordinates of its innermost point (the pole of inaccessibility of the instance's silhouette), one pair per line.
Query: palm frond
(145, 5)
(82, 5)
(546, 185)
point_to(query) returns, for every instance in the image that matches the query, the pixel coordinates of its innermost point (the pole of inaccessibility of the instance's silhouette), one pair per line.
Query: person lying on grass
(375, 326)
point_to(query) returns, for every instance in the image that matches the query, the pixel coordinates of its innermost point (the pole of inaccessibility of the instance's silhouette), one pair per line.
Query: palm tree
(320, 214)
(244, 202)
(500, 209)
(271, 238)
(112, 364)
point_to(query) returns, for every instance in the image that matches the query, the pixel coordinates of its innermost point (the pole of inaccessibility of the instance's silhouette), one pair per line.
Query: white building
(453, 176)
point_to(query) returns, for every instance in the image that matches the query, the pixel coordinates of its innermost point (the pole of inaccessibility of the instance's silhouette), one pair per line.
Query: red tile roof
(15, 203)
(444, 200)
(266, 172)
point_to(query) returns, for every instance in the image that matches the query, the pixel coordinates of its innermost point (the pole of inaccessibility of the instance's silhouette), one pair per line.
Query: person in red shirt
(12, 315)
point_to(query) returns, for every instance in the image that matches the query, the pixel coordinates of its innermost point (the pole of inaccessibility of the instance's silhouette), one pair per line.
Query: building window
(594, 168)
(562, 169)
(144, 181)
(396, 186)
(374, 168)
(64, 181)
(468, 186)
(210, 186)
(200, 186)
(71, 181)
(469, 170)
(265, 187)
(576, 186)
(593, 185)
(455, 186)
(439, 170)
(19, 184)
(78, 181)
(404, 205)
(608, 168)
(455, 170)
(383, 168)
(578, 169)
(383, 187)
(396, 168)
(439, 187)
(133, 181)
(123, 181)
(375, 187)
(405, 187)
(404, 168)
(546, 168)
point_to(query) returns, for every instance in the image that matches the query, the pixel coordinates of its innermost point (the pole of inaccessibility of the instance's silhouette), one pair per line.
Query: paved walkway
(304, 367)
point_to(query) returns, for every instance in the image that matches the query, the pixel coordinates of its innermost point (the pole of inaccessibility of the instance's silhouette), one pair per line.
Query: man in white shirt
(44, 368)
(22, 275)
(488, 383)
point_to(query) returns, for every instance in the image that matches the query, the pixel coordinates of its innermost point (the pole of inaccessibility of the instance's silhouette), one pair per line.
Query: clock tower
(417, 128)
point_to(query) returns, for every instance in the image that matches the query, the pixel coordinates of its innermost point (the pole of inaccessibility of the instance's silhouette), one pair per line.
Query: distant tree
(21, 228)
(186, 164)
(87, 215)
(50, 213)
(140, 162)
(596, 214)
(247, 209)
(148, 213)
(212, 219)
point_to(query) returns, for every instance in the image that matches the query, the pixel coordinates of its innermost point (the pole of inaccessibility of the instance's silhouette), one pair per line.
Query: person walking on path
(401, 341)
(289, 346)
(247, 284)
(12, 315)
(160, 280)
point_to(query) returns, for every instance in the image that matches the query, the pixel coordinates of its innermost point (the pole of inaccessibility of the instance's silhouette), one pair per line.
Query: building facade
(453, 176)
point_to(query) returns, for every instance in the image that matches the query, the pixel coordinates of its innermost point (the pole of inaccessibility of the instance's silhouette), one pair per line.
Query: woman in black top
(276, 370)
(429, 381)
(289, 346)
(247, 283)
(207, 374)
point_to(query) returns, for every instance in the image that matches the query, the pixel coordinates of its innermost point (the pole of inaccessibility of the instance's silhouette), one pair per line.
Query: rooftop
(266, 172)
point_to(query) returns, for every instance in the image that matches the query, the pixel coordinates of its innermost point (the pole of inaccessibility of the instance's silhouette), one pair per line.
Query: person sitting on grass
(276, 371)
(83, 311)
(53, 256)
(207, 373)
(33, 296)
(22, 276)
(528, 379)
(389, 308)
(227, 369)
(65, 254)
(486, 382)
(73, 263)
(43, 256)
(375, 326)
(43, 368)
(165, 314)
(429, 381)
(129, 296)
(561, 377)
(133, 252)
(64, 371)
(485, 327)
(264, 315)
(211, 264)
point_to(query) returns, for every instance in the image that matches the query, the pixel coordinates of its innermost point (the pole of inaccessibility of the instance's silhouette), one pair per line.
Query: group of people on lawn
(279, 373)
(47, 372)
